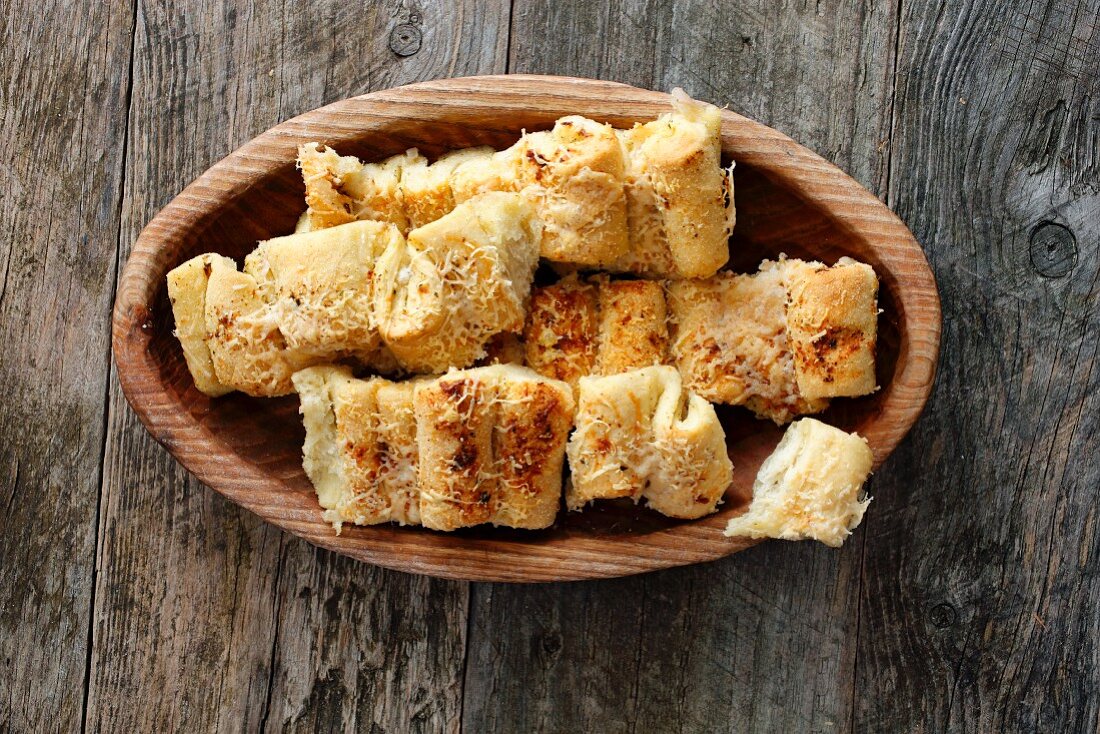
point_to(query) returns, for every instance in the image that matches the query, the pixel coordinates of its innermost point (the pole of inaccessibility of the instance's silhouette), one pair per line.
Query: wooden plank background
(134, 599)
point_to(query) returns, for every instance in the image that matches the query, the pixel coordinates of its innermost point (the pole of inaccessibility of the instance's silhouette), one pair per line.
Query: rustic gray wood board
(969, 601)
(60, 176)
(227, 599)
(982, 593)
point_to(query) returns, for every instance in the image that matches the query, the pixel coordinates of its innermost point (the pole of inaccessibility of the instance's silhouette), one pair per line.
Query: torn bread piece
(640, 435)
(318, 284)
(597, 326)
(832, 322)
(458, 281)
(360, 450)
(809, 487)
(679, 198)
(426, 188)
(341, 189)
(187, 292)
(491, 444)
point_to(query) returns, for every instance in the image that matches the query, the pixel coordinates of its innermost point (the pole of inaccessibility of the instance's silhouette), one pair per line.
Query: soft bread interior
(809, 487)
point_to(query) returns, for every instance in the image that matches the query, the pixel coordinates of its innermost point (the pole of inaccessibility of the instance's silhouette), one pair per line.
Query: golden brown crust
(833, 325)
(426, 189)
(341, 189)
(561, 336)
(491, 443)
(633, 329)
(247, 349)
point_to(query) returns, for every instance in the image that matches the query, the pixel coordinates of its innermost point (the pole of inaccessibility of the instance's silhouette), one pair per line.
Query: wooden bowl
(788, 200)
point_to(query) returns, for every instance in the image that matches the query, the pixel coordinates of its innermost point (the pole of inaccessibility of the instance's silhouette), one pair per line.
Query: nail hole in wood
(405, 39)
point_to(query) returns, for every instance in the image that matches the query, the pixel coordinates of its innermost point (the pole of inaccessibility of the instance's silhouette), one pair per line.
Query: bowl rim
(446, 555)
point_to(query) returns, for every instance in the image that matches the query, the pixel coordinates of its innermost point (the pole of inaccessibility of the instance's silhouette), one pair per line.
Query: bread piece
(505, 348)
(360, 450)
(426, 189)
(599, 326)
(574, 175)
(341, 189)
(832, 322)
(491, 442)
(729, 340)
(485, 170)
(809, 487)
(679, 199)
(187, 293)
(318, 284)
(459, 281)
(633, 329)
(247, 350)
(639, 435)
(561, 336)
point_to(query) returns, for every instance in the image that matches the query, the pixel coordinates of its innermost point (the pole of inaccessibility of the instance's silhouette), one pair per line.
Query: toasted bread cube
(485, 170)
(832, 321)
(426, 189)
(679, 199)
(247, 349)
(360, 450)
(491, 442)
(639, 435)
(808, 488)
(187, 286)
(729, 340)
(459, 281)
(633, 325)
(341, 189)
(562, 332)
(318, 284)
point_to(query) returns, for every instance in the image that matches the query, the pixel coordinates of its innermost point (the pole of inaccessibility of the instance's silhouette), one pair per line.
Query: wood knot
(943, 615)
(405, 39)
(1053, 250)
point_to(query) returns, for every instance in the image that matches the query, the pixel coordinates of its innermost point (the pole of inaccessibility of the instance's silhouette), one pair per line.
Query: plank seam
(470, 588)
(128, 101)
(278, 604)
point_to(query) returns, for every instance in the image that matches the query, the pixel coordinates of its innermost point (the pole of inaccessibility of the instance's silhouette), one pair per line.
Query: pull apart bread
(640, 435)
(653, 200)
(478, 446)
(301, 300)
(459, 281)
(809, 487)
(358, 290)
(781, 341)
(596, 326)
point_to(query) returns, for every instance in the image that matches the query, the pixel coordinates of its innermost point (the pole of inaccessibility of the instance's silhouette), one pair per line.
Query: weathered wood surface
(970, 599)
(206, 618)
(60, 189)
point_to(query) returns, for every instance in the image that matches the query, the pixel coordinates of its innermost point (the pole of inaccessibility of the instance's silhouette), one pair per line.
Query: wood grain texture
(981, 576)
(207, 618)
(766, 639)
(250, 450)
(60, 176)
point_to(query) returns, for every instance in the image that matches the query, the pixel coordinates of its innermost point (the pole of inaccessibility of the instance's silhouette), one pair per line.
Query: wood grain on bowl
(788, 200)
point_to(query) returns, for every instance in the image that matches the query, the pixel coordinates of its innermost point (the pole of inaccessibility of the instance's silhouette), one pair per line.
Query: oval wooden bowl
(788, 200)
